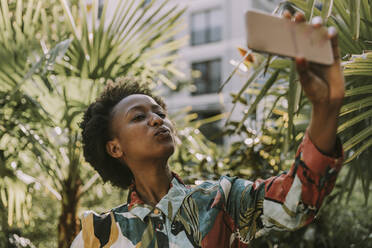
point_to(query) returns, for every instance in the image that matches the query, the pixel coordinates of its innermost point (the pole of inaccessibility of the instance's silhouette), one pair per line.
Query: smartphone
(280, 36)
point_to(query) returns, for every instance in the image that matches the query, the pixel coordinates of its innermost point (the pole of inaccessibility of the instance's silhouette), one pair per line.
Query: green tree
(19, 111)
(136, 41)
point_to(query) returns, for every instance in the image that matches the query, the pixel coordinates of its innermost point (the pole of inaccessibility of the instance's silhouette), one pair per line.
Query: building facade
(216, 29)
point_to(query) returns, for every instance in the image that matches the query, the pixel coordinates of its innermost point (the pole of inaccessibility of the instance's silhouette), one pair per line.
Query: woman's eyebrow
(134, 108)
(142, 108)
(156, 107)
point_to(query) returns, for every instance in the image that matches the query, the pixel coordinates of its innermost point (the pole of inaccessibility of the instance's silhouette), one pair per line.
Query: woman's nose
(156, 120)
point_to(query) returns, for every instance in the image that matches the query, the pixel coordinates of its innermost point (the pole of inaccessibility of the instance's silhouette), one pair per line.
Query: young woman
(128, 139)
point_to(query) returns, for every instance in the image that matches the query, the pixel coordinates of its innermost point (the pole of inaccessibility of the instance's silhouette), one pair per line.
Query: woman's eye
(139, 117)
(162, 115)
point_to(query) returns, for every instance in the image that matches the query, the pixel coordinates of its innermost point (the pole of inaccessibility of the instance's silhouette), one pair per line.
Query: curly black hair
(96, 130)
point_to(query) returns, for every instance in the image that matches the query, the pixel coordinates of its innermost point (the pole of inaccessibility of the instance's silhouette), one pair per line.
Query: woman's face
(141, 129)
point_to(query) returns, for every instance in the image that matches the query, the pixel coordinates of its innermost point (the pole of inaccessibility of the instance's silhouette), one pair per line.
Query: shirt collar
(169, 204)
(135, 204)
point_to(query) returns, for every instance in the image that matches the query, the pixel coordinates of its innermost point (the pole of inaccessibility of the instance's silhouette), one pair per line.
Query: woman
(128, 139)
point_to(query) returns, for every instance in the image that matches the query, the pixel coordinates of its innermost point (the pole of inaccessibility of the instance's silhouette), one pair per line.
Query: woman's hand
(324, 86)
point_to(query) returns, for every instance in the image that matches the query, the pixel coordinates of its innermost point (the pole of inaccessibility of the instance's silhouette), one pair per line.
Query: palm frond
(134, 39)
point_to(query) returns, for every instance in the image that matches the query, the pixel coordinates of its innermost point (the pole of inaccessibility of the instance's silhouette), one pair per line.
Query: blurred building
(216, 29)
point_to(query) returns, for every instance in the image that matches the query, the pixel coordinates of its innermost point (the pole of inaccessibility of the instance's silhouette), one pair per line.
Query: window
(206, 27)
(207, 76)
(212, 130)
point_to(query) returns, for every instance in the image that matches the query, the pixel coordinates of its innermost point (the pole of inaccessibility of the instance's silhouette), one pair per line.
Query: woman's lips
(163, 132)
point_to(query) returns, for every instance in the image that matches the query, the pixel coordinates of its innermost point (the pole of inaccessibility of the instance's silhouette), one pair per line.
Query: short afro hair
(96, 131)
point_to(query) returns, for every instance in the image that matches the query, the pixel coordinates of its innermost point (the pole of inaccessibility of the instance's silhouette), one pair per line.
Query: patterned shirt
(227, 213)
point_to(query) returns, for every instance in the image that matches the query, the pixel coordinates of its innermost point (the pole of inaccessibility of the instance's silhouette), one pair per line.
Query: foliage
(46, 85)
(19, 111)
(136, 40)
(55, 66)
(332, 228)
(195, 157)
(352, 20)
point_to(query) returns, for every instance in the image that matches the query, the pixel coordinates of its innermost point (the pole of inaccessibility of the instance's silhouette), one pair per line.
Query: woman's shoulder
(123, 208)
(101, 228)
(95, 219)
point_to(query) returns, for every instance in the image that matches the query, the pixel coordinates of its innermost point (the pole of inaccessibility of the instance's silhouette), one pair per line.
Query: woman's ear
(113, 148)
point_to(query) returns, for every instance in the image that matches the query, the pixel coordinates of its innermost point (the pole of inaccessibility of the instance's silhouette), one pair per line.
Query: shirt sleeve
(284, 202)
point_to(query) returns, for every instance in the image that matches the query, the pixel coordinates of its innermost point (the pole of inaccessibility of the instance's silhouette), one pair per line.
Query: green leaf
(351, 122)
(362, 90)
(360, 150)
(293, 99)
(356, 105)
(228, 79)
(358, 138)
(263, 92)
(355, 18)
(326, 9)
(310, 9)
(255, 73)
(136, 38)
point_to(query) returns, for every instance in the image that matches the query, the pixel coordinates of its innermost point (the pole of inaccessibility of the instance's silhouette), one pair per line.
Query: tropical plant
(196, 158)
(136, 40)
(273, 100)
(45, 138)
(352, 20)
(19, 26)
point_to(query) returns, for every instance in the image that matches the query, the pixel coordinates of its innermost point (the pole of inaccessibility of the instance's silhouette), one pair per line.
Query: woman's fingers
(332, 35)
(303, 70)
(299, 17)
(287, 14)
(315, 88)
(317, 22)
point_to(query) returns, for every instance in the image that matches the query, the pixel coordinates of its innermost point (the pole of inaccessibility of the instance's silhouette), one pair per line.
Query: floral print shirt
(227, 213)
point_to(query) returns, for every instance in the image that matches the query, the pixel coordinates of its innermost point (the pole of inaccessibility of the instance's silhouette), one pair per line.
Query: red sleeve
(292, 200)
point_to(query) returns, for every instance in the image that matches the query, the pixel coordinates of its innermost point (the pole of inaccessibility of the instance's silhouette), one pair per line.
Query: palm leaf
(355, 18)
(135, 37)
(310, 9)
(359, 151)
(358, 138)
(326, 9)
(352, 19)
(265, 88)
(293, 99)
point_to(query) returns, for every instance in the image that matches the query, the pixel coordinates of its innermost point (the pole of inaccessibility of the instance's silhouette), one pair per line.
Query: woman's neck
(152, 184)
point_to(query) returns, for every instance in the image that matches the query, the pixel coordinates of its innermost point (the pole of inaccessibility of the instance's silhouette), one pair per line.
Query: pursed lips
(161, 130)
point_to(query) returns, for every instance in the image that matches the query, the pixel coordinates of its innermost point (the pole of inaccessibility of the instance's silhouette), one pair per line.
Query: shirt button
(156, 211)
